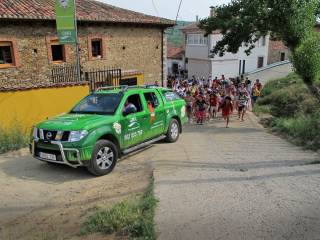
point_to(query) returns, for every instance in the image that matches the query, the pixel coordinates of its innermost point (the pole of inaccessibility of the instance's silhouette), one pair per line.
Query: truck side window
(152, 97)
(170, 96)
(136, 101)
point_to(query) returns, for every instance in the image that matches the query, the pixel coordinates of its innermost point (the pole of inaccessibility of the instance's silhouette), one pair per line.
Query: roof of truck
(123, 89)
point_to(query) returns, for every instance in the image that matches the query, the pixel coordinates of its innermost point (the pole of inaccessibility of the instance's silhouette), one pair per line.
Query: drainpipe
(162, 63)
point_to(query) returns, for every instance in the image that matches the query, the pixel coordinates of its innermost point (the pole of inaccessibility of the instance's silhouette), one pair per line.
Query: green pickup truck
(107, 124)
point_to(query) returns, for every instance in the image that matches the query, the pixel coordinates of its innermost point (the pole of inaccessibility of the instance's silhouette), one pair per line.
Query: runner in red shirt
(227, 109)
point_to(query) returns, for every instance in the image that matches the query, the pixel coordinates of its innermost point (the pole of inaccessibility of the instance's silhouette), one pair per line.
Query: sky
(168, 8)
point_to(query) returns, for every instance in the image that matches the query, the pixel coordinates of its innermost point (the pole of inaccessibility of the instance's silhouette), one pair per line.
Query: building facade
(176, 61)
(202, 64)
(108, 36)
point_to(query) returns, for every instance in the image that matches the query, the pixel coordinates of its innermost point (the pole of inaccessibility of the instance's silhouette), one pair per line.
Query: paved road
(237, 183)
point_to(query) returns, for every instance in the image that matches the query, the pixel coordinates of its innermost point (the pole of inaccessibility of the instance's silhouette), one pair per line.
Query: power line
(179, 10)
(155, 8)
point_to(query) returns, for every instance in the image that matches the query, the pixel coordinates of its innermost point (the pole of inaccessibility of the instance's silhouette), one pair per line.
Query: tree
(292, 21)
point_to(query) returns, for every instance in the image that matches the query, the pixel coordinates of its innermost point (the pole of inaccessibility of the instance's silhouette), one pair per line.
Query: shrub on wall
(13, 138)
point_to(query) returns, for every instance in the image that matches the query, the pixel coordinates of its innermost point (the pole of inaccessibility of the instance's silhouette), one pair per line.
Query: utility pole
(77, 43)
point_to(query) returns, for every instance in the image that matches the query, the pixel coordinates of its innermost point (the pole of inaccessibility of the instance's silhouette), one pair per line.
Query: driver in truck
(128, 106)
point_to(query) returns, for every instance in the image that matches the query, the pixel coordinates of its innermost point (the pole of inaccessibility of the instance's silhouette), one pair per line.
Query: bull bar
(63, 156)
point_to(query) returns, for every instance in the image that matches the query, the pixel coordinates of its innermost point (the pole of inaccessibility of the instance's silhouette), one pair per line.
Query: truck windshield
(104, 104)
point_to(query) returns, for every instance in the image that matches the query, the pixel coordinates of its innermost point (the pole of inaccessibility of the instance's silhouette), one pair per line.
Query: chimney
(212, 11)
(197, 18)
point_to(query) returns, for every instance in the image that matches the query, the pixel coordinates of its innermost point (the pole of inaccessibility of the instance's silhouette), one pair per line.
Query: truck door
(155, 118)
(134, 124)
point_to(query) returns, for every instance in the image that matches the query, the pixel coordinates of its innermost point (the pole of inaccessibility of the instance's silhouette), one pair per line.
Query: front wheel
(173, 131)
(104, 158)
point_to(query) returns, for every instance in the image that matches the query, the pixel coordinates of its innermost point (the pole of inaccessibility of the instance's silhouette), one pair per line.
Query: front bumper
(61, 159)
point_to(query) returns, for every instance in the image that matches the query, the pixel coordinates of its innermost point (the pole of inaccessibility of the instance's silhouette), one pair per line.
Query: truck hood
(75, 122)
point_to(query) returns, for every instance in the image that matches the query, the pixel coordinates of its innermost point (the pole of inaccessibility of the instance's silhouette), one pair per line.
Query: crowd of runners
(208, 98)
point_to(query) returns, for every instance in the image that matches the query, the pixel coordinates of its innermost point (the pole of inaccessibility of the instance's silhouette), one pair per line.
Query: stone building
(108, 36)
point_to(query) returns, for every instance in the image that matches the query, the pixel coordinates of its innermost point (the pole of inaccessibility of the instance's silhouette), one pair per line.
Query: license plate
(47, 156)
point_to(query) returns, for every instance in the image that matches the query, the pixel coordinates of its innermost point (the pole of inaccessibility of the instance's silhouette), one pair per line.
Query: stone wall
(126, 47)
(275, 50)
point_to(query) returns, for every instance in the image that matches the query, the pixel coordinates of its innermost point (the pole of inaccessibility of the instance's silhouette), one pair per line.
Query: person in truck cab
(128, 106)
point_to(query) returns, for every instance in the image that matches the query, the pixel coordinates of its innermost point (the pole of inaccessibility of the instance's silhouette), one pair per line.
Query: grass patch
(295, 112)
(259, 110)
(133, 218)
(13, 138)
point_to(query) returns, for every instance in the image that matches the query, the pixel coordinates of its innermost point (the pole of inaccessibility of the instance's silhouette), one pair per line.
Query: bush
(133, 218)
(13, 138)
(277, 84)
(286, 101)
(287, 97)
(303, 130)
(306, 58)
(296, 113)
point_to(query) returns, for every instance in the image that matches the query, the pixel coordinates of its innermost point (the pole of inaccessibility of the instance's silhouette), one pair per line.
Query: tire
(173, 132)
(104, 158)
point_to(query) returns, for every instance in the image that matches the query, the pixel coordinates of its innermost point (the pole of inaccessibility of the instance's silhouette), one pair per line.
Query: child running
(214, 102)
(201, 109)
(227, 109)
(189, 101)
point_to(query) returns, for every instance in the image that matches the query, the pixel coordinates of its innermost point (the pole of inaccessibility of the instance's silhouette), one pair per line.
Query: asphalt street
(237, 183)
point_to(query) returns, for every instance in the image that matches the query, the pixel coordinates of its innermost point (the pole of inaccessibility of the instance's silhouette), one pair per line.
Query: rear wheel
(103, 159)
(173, 131)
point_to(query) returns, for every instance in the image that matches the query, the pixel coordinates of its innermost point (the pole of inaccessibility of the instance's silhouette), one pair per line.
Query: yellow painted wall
(29, 107)
(32, 106)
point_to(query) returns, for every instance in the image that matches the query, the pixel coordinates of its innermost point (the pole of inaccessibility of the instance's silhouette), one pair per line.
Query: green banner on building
(65, 18)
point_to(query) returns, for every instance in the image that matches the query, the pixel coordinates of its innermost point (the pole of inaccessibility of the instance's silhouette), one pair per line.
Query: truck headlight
(76, 136)
(35, 132)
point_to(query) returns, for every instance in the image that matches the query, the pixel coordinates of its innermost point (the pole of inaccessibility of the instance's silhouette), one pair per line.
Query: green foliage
(175, 36)
(296, 113)
(292, 21)
(133, 218)
(287, 97)
(303, 130)
(276, 84)
(261, 109)
(245, 21)
(13, 138)
(306, 58)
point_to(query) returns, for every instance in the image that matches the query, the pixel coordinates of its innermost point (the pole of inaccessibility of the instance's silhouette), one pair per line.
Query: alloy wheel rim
(174, 130)
(105, 158)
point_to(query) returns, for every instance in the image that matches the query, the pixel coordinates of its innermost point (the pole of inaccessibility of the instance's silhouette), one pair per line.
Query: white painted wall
(229, 63)
(229, 68)
(199, 68)
(197, 51)
(251, 61)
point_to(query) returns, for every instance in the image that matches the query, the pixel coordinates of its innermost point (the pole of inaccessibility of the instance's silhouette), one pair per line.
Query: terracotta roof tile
(87, 10)
(175, 52)
(193, 28)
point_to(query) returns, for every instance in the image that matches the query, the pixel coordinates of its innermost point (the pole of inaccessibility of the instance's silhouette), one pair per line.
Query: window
(152, 97)
(197, 39)
(136, 101)
(263, 41)
(103, 104)
(6, 54)
(57, 52)
(96, 48)
(170, 96)
(260, 62)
